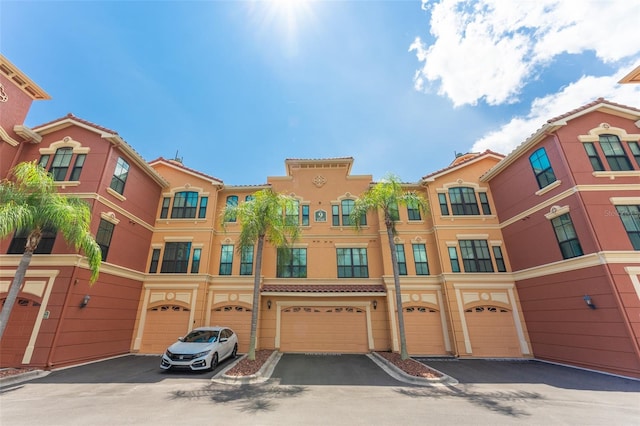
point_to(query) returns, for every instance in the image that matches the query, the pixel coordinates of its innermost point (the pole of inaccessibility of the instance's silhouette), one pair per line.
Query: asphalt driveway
(331, 369)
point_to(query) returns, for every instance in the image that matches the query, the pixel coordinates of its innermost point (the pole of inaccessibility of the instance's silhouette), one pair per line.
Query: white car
(202, 349)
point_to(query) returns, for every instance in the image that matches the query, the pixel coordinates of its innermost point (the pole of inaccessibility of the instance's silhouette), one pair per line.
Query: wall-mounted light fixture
(589, 302)
(269, 304)
(375, 304)
(85, 301)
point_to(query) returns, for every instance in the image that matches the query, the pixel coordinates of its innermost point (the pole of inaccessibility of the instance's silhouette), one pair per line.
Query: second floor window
(420, 259)
(232, 201)
(476, 256)
(413, 212)
(226, 259)
(630, 216)
(340, 214)
(120, 176)
(103, 237)
(185, 204)
(246, 261)
(542, 168)
(60, 163)
(292, 263)
(45, 246)
(352, 263)
(402, 260)
(176, 258)
(566, 236)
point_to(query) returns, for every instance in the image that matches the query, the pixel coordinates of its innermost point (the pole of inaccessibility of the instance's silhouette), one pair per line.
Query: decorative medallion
(319, 181)
(3, 95)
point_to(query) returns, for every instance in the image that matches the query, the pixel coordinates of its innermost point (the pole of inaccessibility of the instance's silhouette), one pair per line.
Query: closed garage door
(237, 318)
(324, 330)
(18, 332)
(492, 332)
(423, 331)
(163, 326)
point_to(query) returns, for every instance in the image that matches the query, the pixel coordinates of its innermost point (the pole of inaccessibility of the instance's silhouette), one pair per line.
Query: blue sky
(237, 87)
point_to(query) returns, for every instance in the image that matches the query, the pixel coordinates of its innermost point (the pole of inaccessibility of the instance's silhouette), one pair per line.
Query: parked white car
(202, 349)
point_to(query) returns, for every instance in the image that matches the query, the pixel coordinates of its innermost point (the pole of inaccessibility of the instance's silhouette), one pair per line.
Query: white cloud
(489, 49)
(585, 90)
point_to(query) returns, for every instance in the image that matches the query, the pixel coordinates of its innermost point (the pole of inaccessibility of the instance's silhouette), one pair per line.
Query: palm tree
(262, 217)
(387, 195)
(29, 203)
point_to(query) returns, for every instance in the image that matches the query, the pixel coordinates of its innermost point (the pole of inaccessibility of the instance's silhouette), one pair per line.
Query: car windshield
(201, 336)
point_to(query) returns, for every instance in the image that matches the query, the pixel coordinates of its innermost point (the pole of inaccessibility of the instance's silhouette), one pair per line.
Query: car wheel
(234, 352)
(214, 362)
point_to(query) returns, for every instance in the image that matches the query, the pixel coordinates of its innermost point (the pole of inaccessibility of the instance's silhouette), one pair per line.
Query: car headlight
(201, 354)
(169, 354)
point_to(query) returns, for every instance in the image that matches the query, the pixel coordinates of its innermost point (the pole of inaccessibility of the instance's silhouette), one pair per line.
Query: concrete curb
(260, 377)
(400, 375)
(22, 377)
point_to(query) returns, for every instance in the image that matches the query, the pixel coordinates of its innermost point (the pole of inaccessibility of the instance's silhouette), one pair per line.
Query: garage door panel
(163, 325)
(18, 332)
(423, 327)
(237, 318)
(492, 332)
(324, 329)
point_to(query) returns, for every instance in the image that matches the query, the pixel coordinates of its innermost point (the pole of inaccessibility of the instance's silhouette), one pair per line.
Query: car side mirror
(180, 339)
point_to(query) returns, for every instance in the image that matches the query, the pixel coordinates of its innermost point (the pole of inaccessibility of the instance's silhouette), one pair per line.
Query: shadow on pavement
(251, 398)
(475, 371)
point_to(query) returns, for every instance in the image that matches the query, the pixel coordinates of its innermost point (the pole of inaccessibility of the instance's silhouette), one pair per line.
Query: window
(195, 263)
(292, 263)
(176, 258)
(45, 246)
(347, 208)
(630, 216)
(352, 263)
(246, 261)
(413, 211)
(60, 163)
(77, 167)
(402, 260)
(305, 215)
(164, 211)
(44, 160)
(232, 201)
(463, 201)
(542, 168)
(394, 213)
(292, 213)
(341, 213)
(103, 237)
(614, 153)
(202, 211)
(155, 259)
(497, 254)
(120, 176)
(420, 259)
(475, 256)
(226, 259)
(453, 257)
(594, 158)
(635, 151)
(484, 202)
(184, 205)
(444, 209)
(566, 235)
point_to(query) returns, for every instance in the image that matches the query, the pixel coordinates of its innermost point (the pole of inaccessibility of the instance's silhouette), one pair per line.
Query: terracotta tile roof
(182, 166)
(73, 117)
(455, 163)
(323, 288)
(589, 105)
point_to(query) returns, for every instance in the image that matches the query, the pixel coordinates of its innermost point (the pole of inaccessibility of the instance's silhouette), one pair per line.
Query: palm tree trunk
(396, 281)
(256, 300)
(14, 290)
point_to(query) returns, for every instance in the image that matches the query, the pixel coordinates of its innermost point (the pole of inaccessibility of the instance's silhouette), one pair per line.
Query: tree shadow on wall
(250, 398)
(499, 402)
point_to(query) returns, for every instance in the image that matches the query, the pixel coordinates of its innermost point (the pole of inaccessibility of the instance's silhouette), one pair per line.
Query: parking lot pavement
(479, 371)
(331, 369)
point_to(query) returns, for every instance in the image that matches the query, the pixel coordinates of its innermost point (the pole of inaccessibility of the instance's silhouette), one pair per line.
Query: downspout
(72, 282)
